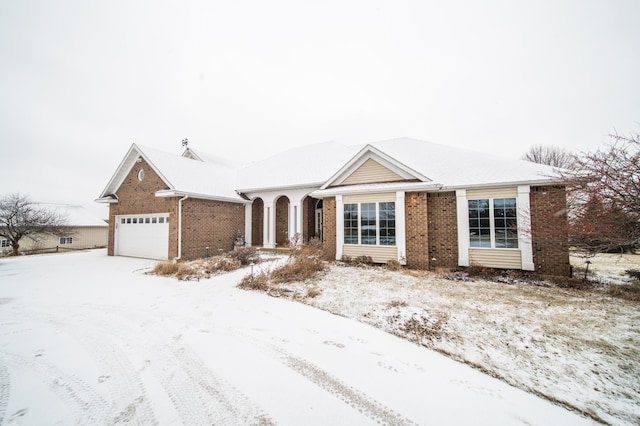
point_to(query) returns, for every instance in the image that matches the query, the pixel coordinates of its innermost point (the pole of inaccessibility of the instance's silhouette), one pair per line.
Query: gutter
(180, 227)
(168, 193)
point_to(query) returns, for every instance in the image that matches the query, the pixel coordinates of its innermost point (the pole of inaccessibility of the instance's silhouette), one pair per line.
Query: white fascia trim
(310, 186)
(167, 193)
(248, 221)
(339, 226)
(401, 233)
(126, 165)
(107, 200)
(524, 228)
(502, 184)
(376, 187)
(462, 212)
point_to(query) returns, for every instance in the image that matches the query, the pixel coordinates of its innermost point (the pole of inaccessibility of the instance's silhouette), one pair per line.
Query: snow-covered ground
(581, 348)
(91, 339)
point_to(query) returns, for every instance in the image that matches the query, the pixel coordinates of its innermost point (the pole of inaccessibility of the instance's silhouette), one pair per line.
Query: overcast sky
(82, 80)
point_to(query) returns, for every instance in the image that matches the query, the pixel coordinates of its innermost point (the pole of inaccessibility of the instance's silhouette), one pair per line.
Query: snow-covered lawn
(581, 348)
(91, 339)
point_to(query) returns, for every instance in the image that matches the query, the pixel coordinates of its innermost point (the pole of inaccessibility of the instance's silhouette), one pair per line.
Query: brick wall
(309, 218)
(549, 230)
(207, 223)
(443, 230)
(137, 196)
(417, 230)
(329, 228)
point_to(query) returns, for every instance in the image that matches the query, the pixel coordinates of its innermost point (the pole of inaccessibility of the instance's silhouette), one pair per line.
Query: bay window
(493, 223)
(370, 223)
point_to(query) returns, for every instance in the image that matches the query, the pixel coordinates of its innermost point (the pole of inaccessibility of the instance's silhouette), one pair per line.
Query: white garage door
(144, 235)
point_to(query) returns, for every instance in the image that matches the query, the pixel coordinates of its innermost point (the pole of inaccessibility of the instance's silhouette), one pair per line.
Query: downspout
(180, 226)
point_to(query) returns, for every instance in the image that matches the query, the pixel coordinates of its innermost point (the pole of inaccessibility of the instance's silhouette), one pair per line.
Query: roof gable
(371, 172)
(371, 165)
(182, 175)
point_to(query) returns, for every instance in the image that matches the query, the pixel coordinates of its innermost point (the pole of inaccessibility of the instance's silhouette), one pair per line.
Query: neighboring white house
(86, 231)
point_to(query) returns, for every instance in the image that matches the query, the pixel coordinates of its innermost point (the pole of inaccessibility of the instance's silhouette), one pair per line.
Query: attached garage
(142, 235)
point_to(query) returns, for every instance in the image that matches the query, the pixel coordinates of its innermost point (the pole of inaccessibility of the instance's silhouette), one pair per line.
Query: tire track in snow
(194, 372)
(88, 407)
(128, 396)
(198, 395)
(360, 401)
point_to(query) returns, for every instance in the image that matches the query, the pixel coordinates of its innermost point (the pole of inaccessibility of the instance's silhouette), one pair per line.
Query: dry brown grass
(204, 268)
(304, 263)
(258, 281)
(393, 265)
(630, 292)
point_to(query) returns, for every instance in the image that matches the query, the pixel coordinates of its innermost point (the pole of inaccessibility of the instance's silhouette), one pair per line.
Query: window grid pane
(479, 223)
(351, 224)
(505, 222)
(368, 223)
(388, 223)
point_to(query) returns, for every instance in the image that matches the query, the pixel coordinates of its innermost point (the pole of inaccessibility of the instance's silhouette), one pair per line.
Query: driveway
(91, 339)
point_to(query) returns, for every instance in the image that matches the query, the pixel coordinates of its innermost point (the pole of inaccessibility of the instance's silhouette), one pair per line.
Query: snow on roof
(313, 165)
(191, 176)
(305, 166)
(457, 167)
(76, 216)
(206, 157)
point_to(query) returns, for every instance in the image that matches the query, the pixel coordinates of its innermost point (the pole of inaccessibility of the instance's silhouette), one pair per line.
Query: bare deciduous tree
(604, 196)
(550, 156)
(20, 217)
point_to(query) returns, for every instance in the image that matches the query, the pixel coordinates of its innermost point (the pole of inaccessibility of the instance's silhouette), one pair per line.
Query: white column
(269, 226)
(295, 219)
(247, 224)
(524, 228)
(462, 211)
(339, 226)
(401, 233)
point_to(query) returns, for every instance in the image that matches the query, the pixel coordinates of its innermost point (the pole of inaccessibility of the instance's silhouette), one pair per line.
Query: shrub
(167, 267)
(481, 272)
(245, 255)
(258, 281)
(357, 261)
(634, 274)
(298, 268)
(393, 265)
(629, 292)
(313, 292)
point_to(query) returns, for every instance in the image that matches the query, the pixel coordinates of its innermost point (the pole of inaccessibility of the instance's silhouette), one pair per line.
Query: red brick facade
(549, 230)
(206, 223)
(329, 228)
(432, 230)
(416, 230)
(137, 196)
(443, 230)
(430, 220)
(212, 224)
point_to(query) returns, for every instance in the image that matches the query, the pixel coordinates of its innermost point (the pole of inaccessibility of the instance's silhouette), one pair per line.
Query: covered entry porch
(274, 219)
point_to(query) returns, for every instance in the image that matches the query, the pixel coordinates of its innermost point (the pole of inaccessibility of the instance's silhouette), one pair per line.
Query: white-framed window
(370, 223)
(66, 240)
(5, 243)
(493, 223)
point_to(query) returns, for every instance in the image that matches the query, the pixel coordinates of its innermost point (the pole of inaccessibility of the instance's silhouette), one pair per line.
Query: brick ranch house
(423, 204)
